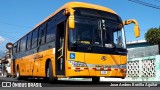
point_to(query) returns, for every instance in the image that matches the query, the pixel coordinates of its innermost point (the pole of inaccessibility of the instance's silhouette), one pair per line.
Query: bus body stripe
(96, 69)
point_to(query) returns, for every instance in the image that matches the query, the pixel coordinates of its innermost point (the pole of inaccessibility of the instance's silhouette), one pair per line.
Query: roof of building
(136, 42)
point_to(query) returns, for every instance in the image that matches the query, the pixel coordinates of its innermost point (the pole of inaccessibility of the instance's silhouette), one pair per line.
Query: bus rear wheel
(49, 74)
(18, 74)
(95, 79)
(6, 74)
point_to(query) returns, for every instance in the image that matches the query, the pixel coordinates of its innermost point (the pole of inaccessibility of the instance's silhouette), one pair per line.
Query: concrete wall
(144, 69)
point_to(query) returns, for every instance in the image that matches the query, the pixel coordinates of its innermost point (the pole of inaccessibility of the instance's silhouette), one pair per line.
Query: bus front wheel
(49, 74)
(95, 79)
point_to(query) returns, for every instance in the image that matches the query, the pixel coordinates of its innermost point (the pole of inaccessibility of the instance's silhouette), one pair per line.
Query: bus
(79, 40)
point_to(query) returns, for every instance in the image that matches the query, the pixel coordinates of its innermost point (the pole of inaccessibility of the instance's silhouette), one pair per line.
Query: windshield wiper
(100, 30)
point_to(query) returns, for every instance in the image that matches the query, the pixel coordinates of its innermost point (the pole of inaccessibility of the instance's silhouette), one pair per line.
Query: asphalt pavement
(40, 84)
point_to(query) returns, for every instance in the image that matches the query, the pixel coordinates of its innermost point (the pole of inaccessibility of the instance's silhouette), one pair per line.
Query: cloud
(1, 39)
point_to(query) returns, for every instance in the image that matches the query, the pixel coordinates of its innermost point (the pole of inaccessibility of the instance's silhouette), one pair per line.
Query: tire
(18, 74)
(13, 76)
(95, 80)
(7, 74)
(49, 74)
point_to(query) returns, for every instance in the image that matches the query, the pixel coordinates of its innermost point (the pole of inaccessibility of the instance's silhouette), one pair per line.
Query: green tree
(153, 36)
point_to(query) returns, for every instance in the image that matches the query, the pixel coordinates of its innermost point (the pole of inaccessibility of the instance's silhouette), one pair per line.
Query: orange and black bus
(78, 40)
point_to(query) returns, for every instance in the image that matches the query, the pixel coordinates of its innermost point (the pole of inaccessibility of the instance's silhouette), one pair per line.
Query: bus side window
(23, 44)
(51, 30)
(29, 36)
(34, 38)
(42, 34)
(18, 47)
(15, 48)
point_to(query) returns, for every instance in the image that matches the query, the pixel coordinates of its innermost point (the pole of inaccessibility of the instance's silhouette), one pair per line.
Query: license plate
(103, 72)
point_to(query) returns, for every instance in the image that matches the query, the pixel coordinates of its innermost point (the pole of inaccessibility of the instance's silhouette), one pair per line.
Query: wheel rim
(5, 74)
(17, 73)
(47, 72)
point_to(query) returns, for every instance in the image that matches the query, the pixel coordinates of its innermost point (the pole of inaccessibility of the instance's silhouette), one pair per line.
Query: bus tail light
(77, 63)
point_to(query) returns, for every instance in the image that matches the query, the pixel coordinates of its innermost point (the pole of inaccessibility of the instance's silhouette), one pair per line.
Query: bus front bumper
(95, 72)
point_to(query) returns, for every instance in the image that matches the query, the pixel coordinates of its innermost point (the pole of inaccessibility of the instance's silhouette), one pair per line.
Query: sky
(17, 17)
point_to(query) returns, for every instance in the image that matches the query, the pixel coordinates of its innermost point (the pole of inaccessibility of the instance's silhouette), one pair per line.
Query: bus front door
(60, 51)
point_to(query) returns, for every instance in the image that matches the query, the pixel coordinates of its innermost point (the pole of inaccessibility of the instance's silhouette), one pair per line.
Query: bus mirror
(71, 18)
(9, 46)
(136, 27)
(71, 22)
(136, 31)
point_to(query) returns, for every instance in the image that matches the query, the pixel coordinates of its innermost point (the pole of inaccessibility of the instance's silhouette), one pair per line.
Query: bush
(153, 36)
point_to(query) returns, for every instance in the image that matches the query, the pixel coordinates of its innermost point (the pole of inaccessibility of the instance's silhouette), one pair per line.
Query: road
(67, 85)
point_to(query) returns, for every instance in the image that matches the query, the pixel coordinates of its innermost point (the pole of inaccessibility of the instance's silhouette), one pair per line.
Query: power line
(157, 0)
(9, 36)
(13, 31)
(145, 4)
(15, 25)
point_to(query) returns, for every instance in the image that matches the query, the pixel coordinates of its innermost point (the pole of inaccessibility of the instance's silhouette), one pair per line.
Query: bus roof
(74, 5)
(77, 4)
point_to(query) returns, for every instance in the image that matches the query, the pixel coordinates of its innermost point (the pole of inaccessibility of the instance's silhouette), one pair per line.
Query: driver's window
(118, 40)
(115, 37)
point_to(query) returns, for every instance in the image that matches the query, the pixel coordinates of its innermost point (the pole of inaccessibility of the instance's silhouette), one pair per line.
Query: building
(138, 43)
(141, 48)
(143, 61)
(5, 67)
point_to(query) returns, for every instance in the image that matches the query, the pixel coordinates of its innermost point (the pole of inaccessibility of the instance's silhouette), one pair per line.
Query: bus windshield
(92, 31)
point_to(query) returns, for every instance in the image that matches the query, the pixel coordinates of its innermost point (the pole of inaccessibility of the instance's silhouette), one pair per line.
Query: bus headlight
(77, 63)
(123, 66)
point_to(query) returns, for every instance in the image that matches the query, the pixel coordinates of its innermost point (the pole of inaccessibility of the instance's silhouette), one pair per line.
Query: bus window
(18, 47)
(29, 41)
(118, 40)
(15, 48)
(51, 29)
(42, 33)
(34, 38)
(23, 44)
